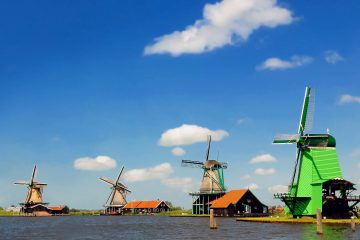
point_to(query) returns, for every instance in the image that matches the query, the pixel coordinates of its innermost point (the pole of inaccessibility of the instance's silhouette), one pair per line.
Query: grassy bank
(295, 221)
(180, 213)
(76, 212)
(4, 213)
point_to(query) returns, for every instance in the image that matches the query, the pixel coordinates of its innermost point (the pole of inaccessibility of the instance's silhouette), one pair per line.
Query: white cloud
(332, 57)
(223, 23)
(264, 171)
(346, 98)
(190, 134)
(246, 176)
(161, 171)
(241, 121)
(355, 154)
(252, 186)
(185, 184)
(178, 151)
(278, 189)
(359, 165)
(95, 164)
(279, 64)
(263, 158)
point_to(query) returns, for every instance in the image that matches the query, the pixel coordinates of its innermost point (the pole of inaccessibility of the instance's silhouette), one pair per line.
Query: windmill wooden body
(212, 184)
(317, 180)
(34, 199)
(117, 198)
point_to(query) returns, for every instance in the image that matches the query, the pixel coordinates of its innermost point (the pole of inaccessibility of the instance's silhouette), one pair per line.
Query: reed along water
(151, 227)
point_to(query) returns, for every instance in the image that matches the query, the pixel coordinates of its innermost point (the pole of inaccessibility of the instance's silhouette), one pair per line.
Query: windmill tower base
(200, 201)
(113, 210)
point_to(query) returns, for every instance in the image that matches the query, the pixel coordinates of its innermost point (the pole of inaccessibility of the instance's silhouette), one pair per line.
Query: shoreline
(296, 221)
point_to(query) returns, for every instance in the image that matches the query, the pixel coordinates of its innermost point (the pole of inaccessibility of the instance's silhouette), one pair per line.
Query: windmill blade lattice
(190, 163)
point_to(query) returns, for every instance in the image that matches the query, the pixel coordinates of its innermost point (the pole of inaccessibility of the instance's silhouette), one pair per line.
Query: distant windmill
(212, 183)
(117, 198)
(34, 194)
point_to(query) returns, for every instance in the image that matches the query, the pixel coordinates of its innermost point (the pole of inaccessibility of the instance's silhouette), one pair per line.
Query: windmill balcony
(282, 195)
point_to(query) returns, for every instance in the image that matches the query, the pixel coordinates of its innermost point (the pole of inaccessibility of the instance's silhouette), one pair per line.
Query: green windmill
(317, 180)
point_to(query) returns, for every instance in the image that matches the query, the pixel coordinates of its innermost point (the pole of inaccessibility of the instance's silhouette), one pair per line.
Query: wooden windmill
(34, 193)
(212, 183)
(117, 198)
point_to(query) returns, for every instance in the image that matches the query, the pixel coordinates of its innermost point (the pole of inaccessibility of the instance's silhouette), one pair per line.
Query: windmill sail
(286, 138)
(310, 111)
(190, 163)
(305, 113)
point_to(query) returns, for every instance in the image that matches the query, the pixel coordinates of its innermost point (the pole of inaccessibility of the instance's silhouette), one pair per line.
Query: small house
(139, 207)
(58, 210)
(240, 202)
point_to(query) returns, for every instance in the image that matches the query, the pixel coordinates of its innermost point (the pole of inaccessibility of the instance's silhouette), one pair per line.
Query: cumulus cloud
(190, 134)
(223, 23)
(95, 164)
(279, 64)
(346, 98)
(161, 171)
(185, 184)
(178, 151)
(355, 154)
(264, 171)
(278, 189)
(332, 57)
(263, 158)
(252, 186)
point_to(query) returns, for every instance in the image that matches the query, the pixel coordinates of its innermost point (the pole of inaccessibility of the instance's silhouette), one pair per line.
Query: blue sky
(82, 79)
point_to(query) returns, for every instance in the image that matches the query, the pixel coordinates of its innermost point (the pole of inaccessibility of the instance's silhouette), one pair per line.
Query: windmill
(117, 198)
(316, 180)
(212, 184)
(34, 193)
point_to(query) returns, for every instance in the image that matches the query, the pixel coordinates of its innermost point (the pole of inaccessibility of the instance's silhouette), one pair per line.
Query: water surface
(151, 227)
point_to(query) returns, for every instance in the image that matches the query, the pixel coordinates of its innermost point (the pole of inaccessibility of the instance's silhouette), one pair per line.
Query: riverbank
(295, 220)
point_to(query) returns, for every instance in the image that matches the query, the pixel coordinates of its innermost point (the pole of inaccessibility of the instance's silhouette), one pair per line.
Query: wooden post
(353, 226)
(319, 229)
(212, 220)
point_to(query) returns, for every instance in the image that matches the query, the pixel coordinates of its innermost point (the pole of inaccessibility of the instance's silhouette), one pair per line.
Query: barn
(139, 207)
(241, 202)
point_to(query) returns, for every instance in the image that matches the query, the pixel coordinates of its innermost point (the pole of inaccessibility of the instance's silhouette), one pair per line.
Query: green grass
(4, 213)
(174, 212)
(75, 212)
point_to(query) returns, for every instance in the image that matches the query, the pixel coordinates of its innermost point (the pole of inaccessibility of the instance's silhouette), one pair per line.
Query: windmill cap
(319, 140)
(211, 163)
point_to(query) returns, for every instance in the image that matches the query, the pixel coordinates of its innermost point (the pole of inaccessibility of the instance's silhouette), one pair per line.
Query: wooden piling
(212, 220)
(319, 228)
(353, 226)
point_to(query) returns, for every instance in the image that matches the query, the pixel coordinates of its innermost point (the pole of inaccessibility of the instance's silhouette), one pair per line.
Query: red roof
(231, 197)
(132, 204)
(56, 208)
(143, 204)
